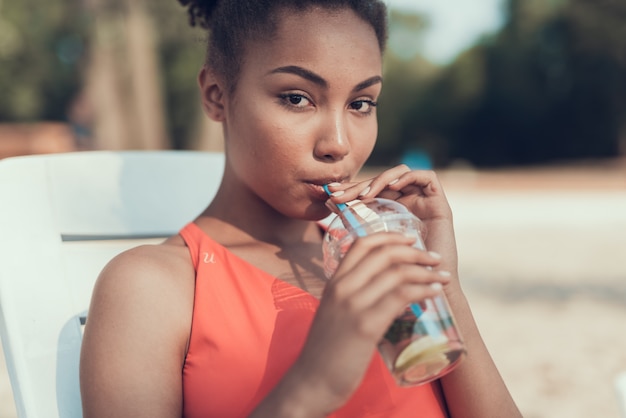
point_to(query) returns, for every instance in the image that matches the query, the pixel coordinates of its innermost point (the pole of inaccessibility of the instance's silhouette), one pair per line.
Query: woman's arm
(474, 388)
(135, 337)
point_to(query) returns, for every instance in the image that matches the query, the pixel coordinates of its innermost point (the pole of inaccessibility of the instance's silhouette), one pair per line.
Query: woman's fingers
(391, 184)
(383, 263)
(388, 180)
(401, 284)
(379, 250)
(424, 182)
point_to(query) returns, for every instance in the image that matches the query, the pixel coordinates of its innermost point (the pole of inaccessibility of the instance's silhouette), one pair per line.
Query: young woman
(233, 317)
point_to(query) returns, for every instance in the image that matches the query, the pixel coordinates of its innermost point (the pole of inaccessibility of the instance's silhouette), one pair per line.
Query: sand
(543, 263)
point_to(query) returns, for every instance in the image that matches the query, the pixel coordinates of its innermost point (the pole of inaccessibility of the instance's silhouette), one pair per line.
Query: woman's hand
(378, 277)
(421, 192)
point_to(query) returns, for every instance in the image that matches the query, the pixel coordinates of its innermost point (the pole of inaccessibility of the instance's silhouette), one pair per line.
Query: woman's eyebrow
(302, 72)
(317, 79)
(367, 83)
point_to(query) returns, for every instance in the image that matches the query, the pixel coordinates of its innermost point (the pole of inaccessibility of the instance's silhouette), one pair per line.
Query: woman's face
(303, 112)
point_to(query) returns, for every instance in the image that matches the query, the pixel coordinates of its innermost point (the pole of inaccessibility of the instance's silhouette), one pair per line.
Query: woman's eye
(363, 106)
(295, 100)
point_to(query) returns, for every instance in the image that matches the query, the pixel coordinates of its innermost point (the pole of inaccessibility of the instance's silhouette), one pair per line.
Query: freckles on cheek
(266, 149)
(282, 129)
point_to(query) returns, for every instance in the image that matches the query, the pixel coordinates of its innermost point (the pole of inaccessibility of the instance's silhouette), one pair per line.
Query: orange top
(249, 327)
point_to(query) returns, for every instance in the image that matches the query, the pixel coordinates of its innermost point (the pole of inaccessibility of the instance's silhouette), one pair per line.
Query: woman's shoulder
(153, 277)
(157, 263)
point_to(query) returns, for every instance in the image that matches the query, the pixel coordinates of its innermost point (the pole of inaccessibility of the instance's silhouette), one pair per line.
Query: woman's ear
(212, 91)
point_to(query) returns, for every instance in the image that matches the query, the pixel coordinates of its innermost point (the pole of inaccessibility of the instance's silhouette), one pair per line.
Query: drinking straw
(349, 217)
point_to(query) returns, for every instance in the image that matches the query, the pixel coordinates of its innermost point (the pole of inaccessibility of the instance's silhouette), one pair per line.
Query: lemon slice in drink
(426, 348)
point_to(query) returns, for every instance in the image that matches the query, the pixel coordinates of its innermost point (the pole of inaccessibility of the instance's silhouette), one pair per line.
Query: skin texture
(302, 115)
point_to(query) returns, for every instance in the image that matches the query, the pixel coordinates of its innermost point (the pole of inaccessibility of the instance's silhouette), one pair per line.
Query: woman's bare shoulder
(157, 264)
(150, 282)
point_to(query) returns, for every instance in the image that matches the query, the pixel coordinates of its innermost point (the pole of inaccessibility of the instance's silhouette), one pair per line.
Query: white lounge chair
(62, 217)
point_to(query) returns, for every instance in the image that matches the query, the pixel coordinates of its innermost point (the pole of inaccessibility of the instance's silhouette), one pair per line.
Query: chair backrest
(62, 217)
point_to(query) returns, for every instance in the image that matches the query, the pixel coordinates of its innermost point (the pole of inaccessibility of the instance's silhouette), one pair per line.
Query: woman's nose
(332, 143)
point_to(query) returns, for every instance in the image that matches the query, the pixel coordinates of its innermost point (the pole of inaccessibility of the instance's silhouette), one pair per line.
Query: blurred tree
(601, 37)
(103, 61)
(550, 86)
(181, 54)
(406, 76)
(42, 50)
(123, 78)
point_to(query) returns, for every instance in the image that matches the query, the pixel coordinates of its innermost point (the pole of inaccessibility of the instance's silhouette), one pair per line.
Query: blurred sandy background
(543, 261)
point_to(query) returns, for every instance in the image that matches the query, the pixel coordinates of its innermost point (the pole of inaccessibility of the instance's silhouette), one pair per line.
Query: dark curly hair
(233, 22)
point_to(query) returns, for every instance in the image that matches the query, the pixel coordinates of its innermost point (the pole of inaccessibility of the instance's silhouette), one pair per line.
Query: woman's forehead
(318, 37)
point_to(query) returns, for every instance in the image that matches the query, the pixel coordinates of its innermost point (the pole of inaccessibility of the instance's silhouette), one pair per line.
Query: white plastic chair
(62, 217)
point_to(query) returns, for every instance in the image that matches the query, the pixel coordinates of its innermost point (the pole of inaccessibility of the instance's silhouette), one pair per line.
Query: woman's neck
(236, 220)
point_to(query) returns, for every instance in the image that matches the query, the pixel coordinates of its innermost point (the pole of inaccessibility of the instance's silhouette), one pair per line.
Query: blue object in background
(417, 159)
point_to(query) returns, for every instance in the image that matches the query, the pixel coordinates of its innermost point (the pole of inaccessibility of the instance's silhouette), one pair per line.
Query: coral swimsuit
(249, 327)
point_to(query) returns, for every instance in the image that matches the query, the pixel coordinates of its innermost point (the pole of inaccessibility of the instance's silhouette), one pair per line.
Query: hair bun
(200, 11)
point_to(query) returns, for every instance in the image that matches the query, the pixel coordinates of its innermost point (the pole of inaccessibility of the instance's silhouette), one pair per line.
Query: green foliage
(548, 96)
(550, 86)
(182, 53)
(42, 45)
(406, 77)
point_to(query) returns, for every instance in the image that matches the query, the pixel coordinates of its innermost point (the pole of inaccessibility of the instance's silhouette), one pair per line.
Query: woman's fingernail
(434, 254)
(391, 183)
(443, 273)
(366, 191)
(337, 193)
(436, 286)
(333, 184)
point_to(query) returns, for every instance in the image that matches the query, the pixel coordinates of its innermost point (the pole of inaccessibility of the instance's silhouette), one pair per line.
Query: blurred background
(488, 83)
(520, 105)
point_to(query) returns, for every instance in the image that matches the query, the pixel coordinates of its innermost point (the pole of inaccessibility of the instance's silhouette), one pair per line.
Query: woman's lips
(316, 185)
(318, 191)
